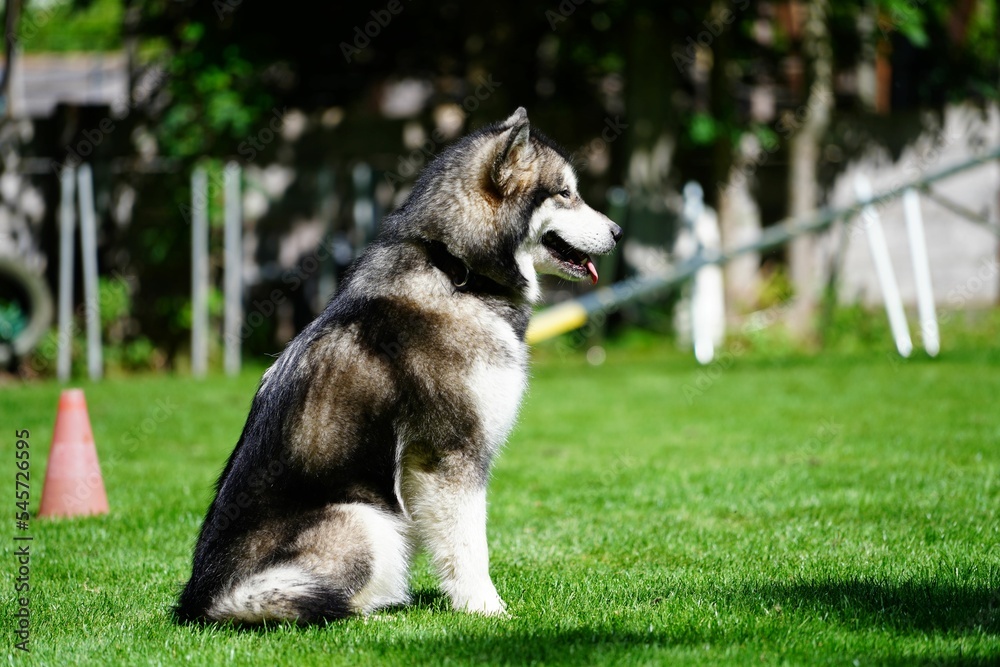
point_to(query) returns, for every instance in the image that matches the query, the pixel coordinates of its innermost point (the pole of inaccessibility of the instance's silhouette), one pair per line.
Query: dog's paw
(492, 607)
(486, 604)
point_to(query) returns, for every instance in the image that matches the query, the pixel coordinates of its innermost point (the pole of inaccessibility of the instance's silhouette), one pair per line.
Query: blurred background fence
(327, 114)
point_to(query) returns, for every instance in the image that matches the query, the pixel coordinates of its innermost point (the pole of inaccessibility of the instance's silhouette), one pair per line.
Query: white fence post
(199, 272)
(67, 225)
(91, 292)
(233, 239)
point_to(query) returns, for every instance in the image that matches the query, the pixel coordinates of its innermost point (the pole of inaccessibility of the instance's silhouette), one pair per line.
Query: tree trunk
(739, 223)
(810, 123)
(11, 19)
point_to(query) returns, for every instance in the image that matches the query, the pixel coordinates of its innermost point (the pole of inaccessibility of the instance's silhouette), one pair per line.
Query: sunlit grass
(803, 510)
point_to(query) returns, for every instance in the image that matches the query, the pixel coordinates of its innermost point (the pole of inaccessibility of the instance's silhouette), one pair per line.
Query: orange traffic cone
(73, 482)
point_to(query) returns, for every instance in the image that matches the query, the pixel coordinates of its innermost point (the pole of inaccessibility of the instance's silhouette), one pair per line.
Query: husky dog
(375, 429)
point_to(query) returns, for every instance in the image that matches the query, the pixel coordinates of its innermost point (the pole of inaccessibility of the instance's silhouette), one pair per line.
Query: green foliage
(68, 25)
(904, 16)
(776, 287)
(136, 354)
(141, 354)
(170, 310)
(124, 350)
(115, 299)
(702, 129)
(983, 31)
(217, 96)
(771, 339)
(856, 327)
(216, 310)
(768, 138)
(12, 320)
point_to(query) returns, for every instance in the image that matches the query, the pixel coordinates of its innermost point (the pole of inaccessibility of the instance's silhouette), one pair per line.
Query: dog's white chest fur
(496, 391)
(496, 384)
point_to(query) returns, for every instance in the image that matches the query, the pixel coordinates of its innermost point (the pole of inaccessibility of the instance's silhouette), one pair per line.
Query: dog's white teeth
(592, 270)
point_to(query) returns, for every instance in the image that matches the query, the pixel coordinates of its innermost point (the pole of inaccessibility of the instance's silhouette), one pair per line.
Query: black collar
(459, 273)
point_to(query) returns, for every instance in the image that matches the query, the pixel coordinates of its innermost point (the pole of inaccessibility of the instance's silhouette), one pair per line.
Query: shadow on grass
(428, 598)
(857, 604)
(912, 605)
(527, 646)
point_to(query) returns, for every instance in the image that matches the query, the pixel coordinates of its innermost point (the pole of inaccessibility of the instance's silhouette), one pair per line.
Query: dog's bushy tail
(281, 593)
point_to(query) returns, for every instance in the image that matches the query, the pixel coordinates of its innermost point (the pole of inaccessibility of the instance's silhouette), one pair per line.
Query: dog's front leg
(447, 502)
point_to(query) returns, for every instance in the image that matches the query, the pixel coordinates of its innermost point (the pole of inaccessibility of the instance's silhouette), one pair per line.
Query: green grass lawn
(841, 509)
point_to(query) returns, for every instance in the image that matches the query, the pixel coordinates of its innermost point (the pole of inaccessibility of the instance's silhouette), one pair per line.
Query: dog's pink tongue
(593, 272)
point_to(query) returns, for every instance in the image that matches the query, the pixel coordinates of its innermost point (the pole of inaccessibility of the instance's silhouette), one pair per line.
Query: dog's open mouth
(572, 261)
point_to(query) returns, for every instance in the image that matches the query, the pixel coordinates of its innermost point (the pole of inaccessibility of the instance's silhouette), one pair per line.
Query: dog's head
(505, 201)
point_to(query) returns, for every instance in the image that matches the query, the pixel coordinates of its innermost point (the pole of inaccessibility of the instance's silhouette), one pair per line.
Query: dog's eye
(566, 193)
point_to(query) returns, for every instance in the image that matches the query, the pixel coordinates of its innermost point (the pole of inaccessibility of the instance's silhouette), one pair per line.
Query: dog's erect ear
(515, 152)
(519, 115)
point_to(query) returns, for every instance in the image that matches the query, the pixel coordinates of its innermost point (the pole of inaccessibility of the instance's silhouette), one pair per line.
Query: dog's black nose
(616, 232)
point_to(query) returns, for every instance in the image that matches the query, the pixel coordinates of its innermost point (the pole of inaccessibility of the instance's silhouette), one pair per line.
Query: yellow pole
(557, 320)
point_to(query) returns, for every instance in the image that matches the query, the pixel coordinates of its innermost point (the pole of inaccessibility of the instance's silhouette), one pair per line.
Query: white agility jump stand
(883, 268)
(921, 272)
(708, 308)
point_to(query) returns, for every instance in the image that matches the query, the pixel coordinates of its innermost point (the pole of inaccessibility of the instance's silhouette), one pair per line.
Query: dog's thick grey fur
(374, 431)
